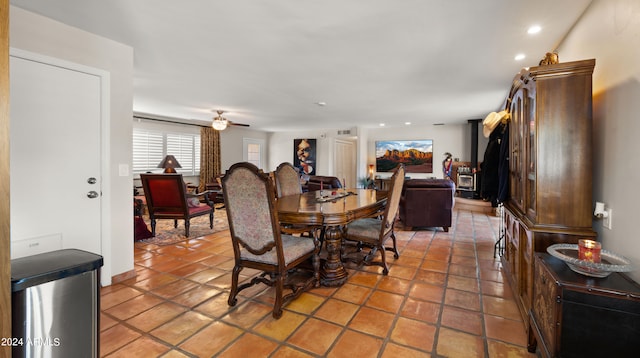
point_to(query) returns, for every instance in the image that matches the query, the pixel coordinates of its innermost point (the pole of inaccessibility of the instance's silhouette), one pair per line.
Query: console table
(573, 315)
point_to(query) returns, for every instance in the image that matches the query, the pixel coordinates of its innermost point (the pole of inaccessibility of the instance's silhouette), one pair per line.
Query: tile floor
(444, 297)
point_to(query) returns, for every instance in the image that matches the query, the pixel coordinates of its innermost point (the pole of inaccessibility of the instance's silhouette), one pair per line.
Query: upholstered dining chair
(167, 198)
(258, 242)
(374, 232)
(287, 180)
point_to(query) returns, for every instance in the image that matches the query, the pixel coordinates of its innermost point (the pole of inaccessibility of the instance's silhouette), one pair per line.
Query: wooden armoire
(550, 168)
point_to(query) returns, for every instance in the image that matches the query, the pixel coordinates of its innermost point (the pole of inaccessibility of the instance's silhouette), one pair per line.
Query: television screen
(416, 155)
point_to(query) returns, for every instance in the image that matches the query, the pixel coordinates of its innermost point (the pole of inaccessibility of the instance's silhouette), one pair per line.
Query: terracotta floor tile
(160, 314)
(506, 330)
(337, 311)
(249, 345)
(290, 352)
(463, 270)
(189, 269)
(463, 283)
(196, 296)
(155, 281)
(459, 344)
(393, 350)
(409, 261)
(414, 334)
(463, 260)
(364, 279)
(496, 289)
(355, 344)
(372, 321)
(116, 337)
(280, 329)
(115, 298)
(404, 272)
(207, 275)
(501, 307)
(393, 284)
(462, 299)
(352, 293)
(178, 329)
(492, 275)
(217, 306)
(427, 292)
(502, 349)
(106, 321)
(433, 265)
(141, 347)
(175, 288)
(211, 340)
(461, 319)
(431, 277)
(248, 314)
(385, 301)
(305, 303)
(421, 310)
(315, 336)
(133, 306)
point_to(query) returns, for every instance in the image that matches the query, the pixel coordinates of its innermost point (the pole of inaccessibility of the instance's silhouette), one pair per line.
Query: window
(253, 151)
(150, 146)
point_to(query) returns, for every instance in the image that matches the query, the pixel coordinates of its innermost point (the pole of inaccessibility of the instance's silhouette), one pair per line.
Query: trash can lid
(38, 269)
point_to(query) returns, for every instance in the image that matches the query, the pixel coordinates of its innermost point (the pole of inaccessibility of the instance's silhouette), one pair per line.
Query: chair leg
(234, 286)
(211, 219)
(175, 224)
(187, 223)
(445, 228)
(396, 254)
(383, 253)
(153, 227)
(277, 306)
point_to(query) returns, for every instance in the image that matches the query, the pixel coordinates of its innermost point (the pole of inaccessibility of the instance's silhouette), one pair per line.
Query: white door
(55, 158)
(345, 162)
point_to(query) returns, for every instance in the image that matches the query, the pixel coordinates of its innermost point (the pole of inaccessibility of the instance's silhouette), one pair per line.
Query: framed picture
(304, 155)
(416, 155)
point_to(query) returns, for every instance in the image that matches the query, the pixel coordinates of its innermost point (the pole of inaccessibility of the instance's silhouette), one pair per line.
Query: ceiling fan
(220, 123)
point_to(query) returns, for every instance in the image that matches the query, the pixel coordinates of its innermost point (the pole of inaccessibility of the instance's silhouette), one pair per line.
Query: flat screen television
(416, 155)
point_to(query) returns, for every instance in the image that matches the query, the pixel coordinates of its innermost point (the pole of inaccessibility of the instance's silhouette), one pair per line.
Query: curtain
(209, 156)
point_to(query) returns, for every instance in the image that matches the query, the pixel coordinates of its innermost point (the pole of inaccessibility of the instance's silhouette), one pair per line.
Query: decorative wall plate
(610, 262)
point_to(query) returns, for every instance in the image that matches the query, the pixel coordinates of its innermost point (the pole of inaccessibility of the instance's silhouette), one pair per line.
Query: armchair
(166, 197)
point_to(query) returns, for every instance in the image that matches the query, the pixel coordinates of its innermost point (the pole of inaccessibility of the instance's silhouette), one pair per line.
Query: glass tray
(610, 262)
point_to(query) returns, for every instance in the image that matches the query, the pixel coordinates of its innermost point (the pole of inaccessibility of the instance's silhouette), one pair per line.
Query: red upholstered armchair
(166, 197)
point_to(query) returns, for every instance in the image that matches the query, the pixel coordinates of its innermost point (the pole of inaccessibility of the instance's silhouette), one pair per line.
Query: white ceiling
(372, 61)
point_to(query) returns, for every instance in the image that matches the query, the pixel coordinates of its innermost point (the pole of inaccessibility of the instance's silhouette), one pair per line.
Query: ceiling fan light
(219, 123)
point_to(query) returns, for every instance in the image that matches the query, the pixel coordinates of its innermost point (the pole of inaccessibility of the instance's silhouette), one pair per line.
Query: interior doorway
(345, 159)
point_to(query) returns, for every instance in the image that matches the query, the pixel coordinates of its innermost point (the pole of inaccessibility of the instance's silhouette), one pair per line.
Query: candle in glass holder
(589, 250)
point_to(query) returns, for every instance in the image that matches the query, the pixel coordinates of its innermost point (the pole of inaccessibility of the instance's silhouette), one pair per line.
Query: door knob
(92, 180)
(92, 194)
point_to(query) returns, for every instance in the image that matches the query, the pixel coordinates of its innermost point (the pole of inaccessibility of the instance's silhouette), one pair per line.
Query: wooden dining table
(331, 210)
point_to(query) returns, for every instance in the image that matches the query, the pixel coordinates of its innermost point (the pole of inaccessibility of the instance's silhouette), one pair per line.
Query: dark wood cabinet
(550, 169)
(573, 315)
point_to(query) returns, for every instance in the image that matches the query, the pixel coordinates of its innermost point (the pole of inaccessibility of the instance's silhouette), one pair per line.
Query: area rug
(166, 234)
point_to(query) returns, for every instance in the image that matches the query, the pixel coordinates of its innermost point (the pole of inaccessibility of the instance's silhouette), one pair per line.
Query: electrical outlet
(606, 221)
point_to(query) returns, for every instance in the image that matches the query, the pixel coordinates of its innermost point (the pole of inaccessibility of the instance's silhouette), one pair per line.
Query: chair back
(250, 201)
(393, 201)
(164, 192)
(287, 180)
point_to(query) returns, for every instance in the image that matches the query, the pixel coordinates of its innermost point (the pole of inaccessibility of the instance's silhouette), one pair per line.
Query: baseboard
(123, 276)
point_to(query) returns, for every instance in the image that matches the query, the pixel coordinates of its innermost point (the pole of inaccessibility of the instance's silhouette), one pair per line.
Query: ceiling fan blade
(238, 124)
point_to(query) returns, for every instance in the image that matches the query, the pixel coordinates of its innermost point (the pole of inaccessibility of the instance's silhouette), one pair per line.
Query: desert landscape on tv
(417, 156)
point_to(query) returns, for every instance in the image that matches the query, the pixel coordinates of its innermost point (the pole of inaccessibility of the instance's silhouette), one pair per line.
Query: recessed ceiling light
(407, 123)
(534, 29)
(520, 57)
(381, 124)
(321, 104)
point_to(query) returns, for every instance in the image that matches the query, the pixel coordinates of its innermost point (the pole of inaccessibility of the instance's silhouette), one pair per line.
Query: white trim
(105, 135)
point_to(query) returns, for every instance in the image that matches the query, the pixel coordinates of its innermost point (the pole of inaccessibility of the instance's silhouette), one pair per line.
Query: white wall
(38, 34)
(609, 31)
(231, 140)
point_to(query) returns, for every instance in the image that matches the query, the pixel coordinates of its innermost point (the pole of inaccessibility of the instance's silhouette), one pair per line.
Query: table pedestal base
(333, 272)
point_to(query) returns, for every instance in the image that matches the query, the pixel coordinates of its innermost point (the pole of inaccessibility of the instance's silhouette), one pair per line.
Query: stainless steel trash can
(55, 300)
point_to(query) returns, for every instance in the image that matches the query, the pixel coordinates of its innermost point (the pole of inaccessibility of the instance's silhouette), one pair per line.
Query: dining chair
(287, 180)
(374, 232)
(166, 196)
(258, 242)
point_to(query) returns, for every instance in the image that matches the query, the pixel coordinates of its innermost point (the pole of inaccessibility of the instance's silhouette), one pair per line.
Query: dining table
(331, 210)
